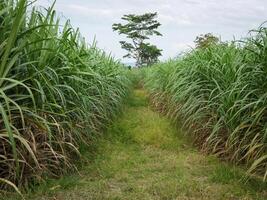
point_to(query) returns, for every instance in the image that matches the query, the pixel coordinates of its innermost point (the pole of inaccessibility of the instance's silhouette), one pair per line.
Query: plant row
(56, 93)
(220, 94)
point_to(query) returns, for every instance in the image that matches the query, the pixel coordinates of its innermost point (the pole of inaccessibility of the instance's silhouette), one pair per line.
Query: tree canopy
(139, 28)
(205, 40)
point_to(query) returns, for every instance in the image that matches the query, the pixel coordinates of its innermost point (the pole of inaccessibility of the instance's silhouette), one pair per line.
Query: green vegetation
(56, 93)
(139, 28)
(220, 94)
(143, 156)
(206, 40)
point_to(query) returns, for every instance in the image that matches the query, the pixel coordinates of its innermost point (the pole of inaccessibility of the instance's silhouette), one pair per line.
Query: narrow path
(143, 156)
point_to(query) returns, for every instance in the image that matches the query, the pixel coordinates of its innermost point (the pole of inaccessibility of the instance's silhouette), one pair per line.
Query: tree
(149, 53)
(206, 40)
(139, 28)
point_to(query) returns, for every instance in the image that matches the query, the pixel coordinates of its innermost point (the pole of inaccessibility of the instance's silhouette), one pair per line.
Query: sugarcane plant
(56, 92)
(220, 93)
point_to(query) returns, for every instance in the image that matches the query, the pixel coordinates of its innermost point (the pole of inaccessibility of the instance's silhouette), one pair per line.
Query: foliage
(56, 92)
(206, 40)
(149, 53)
(139, 28)
(219, 92)
(160, 164)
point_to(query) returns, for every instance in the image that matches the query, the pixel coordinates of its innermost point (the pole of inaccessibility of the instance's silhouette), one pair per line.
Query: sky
(182, 20)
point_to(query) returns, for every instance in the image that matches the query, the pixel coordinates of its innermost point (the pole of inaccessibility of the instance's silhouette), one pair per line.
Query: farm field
(57, 93)
(77, 123)
(219, 93)
(144, 156)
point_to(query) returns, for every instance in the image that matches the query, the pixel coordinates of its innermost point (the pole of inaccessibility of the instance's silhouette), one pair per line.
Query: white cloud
(88, 11)
(182, 20)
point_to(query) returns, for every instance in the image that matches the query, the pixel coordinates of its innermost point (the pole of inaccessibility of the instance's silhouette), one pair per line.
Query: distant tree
(139, 28)
(206, 40)
(149, 53)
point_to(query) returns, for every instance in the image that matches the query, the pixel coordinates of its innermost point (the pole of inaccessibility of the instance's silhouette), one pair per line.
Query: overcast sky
(182, 20)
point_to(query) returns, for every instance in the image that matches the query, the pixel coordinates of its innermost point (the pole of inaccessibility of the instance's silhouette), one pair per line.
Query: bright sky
(182, 20)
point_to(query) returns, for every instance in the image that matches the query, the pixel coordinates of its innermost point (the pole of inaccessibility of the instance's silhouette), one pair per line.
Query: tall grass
(220, 93)
(56, 92)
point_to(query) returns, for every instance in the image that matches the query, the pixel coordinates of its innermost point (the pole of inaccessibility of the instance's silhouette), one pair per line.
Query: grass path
(143, 156)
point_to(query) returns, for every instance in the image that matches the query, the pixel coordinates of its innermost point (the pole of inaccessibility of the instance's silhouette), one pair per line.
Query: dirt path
(143, 156)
